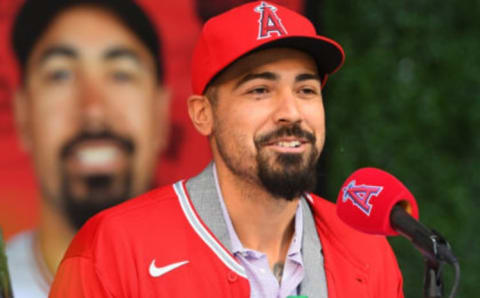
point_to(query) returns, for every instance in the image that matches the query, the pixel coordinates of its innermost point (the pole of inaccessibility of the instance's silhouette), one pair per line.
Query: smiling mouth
(286, 139)
(288, 145)
(96, 157)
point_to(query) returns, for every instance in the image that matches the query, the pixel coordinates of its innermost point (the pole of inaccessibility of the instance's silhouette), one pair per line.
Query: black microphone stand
(434, 248)
(433, 283)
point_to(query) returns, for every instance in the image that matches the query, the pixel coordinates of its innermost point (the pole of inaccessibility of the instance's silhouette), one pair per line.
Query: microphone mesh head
(367, 198)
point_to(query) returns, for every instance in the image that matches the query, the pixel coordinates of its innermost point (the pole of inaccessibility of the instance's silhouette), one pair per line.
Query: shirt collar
(236, 244)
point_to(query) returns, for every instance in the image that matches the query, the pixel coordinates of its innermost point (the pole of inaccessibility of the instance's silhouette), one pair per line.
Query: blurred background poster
(179, 23)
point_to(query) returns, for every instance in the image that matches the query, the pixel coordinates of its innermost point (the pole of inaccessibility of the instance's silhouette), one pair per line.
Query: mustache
(125, 143)
(286, 131)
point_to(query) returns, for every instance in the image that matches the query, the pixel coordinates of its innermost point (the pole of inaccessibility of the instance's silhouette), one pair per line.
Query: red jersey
(158, 246)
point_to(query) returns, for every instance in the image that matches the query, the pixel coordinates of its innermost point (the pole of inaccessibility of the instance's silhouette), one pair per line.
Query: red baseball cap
(255, 26)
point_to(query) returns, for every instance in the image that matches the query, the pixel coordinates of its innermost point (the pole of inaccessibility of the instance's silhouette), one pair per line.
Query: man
(92, 111)
(246, 226)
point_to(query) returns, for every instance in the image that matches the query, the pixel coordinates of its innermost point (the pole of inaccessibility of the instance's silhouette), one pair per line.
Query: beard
(292, 178)
(287, 175)
(78, 209)
(101, 191)
(284, 175)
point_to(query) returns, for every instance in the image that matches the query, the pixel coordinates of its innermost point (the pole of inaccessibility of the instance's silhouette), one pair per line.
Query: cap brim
(327, 53)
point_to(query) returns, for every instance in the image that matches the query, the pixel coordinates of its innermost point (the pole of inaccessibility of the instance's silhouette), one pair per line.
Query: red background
(179, 22)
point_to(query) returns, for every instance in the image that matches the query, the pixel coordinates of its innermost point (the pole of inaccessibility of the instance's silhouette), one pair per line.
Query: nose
(287, 110)
(92, 104)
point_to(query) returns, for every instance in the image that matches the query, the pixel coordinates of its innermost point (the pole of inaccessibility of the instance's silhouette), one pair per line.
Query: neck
(262, 222)
(53, 238)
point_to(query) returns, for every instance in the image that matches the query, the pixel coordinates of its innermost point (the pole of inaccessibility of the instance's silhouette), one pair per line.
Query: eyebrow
(272, 77)
(252, 76)
(59, 50)
(121, 52)
(307, 76)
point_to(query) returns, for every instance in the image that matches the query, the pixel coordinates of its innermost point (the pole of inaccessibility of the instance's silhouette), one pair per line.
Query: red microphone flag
(367, 197)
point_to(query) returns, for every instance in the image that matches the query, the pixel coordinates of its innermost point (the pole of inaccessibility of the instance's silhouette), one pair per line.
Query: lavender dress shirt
(262, 280)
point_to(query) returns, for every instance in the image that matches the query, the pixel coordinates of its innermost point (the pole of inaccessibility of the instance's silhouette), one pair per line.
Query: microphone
(375, 202)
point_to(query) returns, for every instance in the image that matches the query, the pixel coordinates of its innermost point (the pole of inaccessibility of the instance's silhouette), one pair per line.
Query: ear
(201, 113)
(162, 113)
(22, 119)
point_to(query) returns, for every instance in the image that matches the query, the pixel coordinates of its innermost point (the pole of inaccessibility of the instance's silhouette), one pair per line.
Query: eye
(258, 90)
(59, 75)
(309, 91)
(122, 76)
(261, 90)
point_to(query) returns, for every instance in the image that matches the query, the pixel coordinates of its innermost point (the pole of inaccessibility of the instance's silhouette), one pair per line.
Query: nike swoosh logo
(159, 271)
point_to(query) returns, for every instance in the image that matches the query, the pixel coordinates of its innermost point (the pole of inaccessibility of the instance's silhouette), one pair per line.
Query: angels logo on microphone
(269, 22)
(360, 195)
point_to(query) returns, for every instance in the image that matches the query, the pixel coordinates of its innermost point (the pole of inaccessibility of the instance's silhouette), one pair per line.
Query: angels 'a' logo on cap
(269, 23)
(360, 195)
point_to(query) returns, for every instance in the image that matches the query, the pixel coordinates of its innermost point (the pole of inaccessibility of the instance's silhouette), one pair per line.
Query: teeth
(97, 155)
(292, 144)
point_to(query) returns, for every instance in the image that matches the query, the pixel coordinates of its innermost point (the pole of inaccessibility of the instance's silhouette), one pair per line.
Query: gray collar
(204, 196)
(314, 283)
